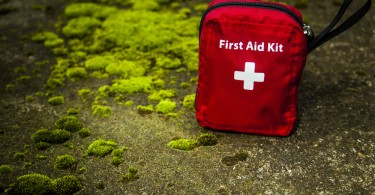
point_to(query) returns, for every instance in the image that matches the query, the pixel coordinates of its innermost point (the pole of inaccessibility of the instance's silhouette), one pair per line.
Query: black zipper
(252, 4)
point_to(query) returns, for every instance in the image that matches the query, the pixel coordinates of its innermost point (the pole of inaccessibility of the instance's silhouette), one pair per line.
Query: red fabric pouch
(251, 57)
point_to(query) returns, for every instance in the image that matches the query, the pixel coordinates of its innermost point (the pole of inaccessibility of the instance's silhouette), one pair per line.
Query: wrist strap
(328, 33)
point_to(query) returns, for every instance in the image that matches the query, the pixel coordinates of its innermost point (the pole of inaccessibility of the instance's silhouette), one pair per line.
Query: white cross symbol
(249, 76)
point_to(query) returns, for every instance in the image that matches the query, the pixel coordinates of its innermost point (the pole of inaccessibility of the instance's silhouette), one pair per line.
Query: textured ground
(331, 150)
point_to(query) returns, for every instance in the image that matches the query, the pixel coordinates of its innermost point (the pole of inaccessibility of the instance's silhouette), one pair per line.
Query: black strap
(328, 33)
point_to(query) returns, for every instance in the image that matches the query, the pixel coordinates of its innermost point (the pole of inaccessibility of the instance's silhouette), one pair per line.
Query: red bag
(251, 58)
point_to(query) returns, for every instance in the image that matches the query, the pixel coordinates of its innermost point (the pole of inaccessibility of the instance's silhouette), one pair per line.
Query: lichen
(5, 169)
(53, 137)
(101, 148)
(65, 161)
(69, 123)
(183, 144)
(166, 106)
(56, 100)
(189, 102)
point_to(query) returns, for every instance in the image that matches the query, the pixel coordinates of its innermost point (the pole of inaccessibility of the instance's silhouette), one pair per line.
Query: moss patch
(189, 102)
(5, 169)
(56, 100)
(207, 139)
(65, 161)
(101, 148)
(41, 184)
(32, 184)
(69, 123)
(67, 184)
(183, 144)
(131, 175)
(100, 110)
(53, 137)
(166, 106)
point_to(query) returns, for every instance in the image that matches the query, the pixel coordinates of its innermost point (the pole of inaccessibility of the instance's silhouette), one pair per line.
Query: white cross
(249, 76)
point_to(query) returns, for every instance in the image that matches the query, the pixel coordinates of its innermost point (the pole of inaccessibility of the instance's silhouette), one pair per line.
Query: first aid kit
(251, 57)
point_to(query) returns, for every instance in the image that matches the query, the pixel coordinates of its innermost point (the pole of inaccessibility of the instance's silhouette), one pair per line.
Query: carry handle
(328, 33)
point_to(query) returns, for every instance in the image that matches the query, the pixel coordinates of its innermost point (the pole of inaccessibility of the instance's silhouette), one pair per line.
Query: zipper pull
(309, 33)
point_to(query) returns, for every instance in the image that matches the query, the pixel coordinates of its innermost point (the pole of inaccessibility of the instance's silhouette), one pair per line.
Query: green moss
(84, 132)
(85, 93)
(132, 85)
(67, 185)
(129, 103)
(82, 170)
(158, 84)
(77, 56)
(103, 111)
(101, 148)
(131, 175)
(189, 102)
(20, 70)
(183, 144)
(10, 87)
(72, 111)
(105, 91)
(41, 157)
(56, 100)
(76, 73)
(146, 5)
(65, 161)
(81, 26)
(69, 123)
(88, 9)
(125, 69)
(24, 79)
(166, 106)
(145, 109)
(185, 85)
(19, 156)
(29, 98)
(207, 139)
(32, 184)
(117, 155)
(162, 94)
(42, 145)
(98, 62)
(53, 137)
(166, 62)
(27, 165)
(5, 169)
(99, 75)
(50, 39)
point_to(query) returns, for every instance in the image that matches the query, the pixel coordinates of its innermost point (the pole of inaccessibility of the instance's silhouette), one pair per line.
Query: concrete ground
(331, 150)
